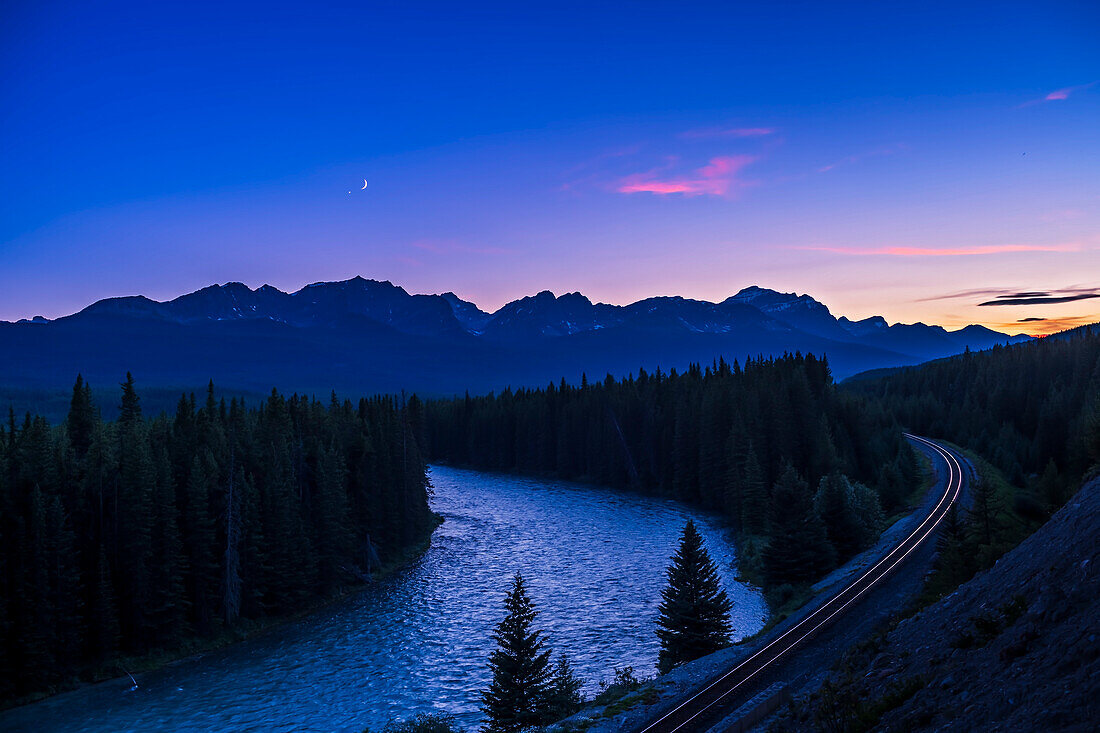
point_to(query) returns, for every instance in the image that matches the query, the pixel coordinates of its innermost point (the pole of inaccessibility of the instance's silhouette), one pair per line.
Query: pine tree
(798, 550)
(518, 696)
(133, 522)
(754, 501)
(833, 503)
(167, 569)
(103, 630)
(200, 544)
(695, 611)
(333, 534)
(868, 512)
(983, 518)
(565, 690)
(1051, 487)
(955, 562)
(82, 418)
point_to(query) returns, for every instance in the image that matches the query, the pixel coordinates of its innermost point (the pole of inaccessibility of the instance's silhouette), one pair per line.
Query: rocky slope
(1017, 648)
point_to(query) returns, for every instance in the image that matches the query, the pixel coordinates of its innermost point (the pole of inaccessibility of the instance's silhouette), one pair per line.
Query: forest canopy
(726, 437)
(122, 538)
(1032, 410)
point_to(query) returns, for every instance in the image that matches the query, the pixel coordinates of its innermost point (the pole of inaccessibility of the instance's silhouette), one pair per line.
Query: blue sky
(884, 158)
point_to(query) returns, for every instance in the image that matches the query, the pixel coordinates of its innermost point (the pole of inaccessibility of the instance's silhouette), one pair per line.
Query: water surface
(594, 564)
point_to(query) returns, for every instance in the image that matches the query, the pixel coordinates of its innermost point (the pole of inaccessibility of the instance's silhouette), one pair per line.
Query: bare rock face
(1015, 649)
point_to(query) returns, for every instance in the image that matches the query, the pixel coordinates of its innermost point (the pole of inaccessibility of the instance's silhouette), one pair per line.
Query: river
(418, 641)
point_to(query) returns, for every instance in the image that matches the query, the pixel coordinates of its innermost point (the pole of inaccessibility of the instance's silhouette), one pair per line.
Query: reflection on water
(594, 564)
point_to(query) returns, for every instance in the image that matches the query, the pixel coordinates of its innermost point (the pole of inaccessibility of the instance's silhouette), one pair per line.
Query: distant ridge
(369, 335)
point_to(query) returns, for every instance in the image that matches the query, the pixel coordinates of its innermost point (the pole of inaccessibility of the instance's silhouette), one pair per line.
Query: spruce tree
(868, 512)
(955, 560)
(82, 418)
(798, 550)
(834, 504)
(518, 696)
(983, 518)
(565, 690)
(167, 568)
(334, 540)
(754, 501)
(134, 541)
(695, 611)
(200, 541)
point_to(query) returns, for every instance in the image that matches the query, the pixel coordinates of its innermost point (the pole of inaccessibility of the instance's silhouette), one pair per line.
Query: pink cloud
(716, 178)
(948, 252)
(718, 132)
(1061, 94)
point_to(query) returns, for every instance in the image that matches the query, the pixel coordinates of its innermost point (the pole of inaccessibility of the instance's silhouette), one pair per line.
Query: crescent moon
(364, 184)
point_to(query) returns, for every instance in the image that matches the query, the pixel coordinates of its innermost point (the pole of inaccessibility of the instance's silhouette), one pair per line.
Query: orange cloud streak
(1045, 326)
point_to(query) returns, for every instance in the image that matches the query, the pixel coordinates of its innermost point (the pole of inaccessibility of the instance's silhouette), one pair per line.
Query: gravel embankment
(1017, 648)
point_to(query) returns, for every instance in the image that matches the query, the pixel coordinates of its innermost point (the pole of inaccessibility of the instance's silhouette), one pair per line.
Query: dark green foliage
(1019, 407)
(754, 496)
(799, 550)
(973, 539)
(1032, 411)
(838, 708)
(82, 418)
(955, 562)
(624, 682)
(987, 626)
(613, 693)
(694, 435)
(519, 695)
(139, 535)
(1051, 487)
(986, 510)
(565, 690)
(695, 611)
(851, 514)
(718, 436)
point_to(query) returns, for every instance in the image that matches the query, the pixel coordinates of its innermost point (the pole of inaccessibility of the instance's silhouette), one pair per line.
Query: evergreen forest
(773, 445)
(127, 538)
(1032, 410)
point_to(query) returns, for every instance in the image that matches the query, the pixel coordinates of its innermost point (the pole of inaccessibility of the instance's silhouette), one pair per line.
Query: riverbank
(420, 641)
(245, 630)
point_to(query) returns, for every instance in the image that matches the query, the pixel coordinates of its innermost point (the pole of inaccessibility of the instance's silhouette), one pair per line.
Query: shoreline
(123, 667)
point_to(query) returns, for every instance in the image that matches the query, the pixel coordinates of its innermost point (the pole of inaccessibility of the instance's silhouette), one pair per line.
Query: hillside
(1013, 649)
(1032, 410)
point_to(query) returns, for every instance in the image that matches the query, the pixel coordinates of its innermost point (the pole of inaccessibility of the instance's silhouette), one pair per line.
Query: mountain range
(360, 336)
